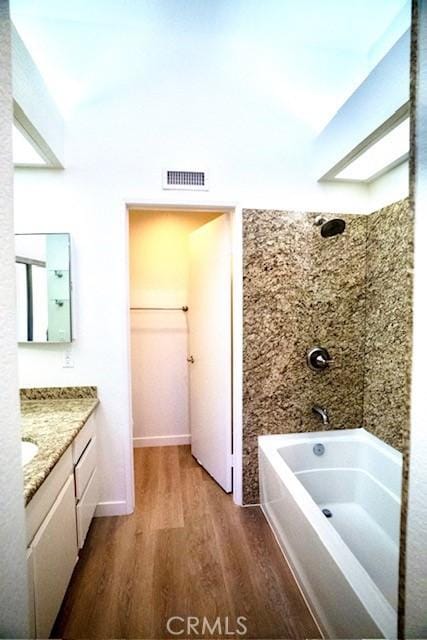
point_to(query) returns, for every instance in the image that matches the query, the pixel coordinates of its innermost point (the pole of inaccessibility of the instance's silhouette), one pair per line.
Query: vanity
(58, 437)
(60, 491)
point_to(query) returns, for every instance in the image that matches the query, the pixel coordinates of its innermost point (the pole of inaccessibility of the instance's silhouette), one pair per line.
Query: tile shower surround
(351, 294)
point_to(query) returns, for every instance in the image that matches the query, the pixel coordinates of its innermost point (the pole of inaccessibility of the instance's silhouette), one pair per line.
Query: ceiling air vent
(187, 180)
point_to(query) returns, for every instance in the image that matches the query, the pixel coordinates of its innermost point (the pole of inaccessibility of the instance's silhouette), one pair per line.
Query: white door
(210, 348)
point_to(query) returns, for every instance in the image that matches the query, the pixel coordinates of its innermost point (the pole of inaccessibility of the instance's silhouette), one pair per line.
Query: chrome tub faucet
(322, 413)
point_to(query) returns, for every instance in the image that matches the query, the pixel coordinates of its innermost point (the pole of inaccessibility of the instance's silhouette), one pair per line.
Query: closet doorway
(181, 342)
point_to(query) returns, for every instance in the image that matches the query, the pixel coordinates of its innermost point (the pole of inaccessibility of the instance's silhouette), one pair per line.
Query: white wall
(214, 112)
(13, 572)
(159, 271)
(416, 558)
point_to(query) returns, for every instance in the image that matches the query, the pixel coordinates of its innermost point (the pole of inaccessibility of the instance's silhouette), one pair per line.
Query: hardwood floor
(187, 550)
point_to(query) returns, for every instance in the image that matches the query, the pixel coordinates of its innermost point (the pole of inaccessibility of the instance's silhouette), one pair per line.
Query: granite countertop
(52, 418)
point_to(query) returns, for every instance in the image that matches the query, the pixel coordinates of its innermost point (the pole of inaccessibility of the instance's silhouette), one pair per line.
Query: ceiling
(308, 55)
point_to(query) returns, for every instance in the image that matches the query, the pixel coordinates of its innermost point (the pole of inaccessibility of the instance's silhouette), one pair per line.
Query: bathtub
(346, 565)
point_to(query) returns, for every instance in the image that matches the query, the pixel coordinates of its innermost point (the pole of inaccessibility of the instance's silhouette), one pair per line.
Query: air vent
(187, 180)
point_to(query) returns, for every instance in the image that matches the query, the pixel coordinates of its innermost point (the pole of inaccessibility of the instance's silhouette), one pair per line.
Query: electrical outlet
(68, 360)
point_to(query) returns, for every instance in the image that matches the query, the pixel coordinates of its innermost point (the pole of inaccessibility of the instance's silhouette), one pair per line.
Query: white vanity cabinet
(57, 519)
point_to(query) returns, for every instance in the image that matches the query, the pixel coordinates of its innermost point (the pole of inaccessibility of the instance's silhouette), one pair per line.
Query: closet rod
(159, 309)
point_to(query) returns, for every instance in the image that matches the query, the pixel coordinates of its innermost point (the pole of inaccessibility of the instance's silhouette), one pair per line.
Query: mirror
(43, 287)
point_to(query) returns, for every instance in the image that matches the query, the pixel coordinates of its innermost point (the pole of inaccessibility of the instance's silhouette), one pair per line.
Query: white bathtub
(346, 565)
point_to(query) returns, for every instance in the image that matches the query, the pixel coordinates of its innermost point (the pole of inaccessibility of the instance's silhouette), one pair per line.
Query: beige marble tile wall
(299, 290)
(389, 262)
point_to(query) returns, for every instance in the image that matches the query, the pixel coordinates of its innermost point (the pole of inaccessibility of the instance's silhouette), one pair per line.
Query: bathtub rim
(372, 599)
(359, 434)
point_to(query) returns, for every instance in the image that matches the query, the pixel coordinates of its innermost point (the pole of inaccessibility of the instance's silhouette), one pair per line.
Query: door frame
(234, 212)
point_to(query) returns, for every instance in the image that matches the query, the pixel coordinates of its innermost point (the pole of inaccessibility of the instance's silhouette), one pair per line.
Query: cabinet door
(54, 557)
(30, 573)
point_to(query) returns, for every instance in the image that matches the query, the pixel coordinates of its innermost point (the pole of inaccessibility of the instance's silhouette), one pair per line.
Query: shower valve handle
(318, 359)
(190, 359)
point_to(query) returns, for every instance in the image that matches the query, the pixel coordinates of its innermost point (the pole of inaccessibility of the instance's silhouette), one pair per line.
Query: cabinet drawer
(86, 508)
(85, 468)
(82, 439)
(54, 556)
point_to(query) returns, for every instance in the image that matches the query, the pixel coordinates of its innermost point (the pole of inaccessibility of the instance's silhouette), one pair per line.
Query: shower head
(332, 228)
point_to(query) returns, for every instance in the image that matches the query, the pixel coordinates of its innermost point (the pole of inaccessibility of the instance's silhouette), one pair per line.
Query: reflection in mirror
(43, 287)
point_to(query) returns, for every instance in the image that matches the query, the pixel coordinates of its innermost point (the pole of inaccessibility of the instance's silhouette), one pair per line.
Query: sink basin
(28, 451)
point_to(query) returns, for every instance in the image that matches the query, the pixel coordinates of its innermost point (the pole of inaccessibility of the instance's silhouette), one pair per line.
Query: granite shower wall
(389, 268)
(301, 290)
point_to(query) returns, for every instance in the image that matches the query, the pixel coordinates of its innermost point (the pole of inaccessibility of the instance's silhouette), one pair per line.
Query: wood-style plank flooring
(187, 550)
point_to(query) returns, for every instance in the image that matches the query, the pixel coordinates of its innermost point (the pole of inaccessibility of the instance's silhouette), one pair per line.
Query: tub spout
(322, 414)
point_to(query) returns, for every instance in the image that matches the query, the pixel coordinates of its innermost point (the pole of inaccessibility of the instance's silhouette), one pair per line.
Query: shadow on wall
(350, 293)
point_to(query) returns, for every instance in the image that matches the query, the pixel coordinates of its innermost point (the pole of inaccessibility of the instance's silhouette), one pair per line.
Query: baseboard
(162, 441)
(114, 508)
